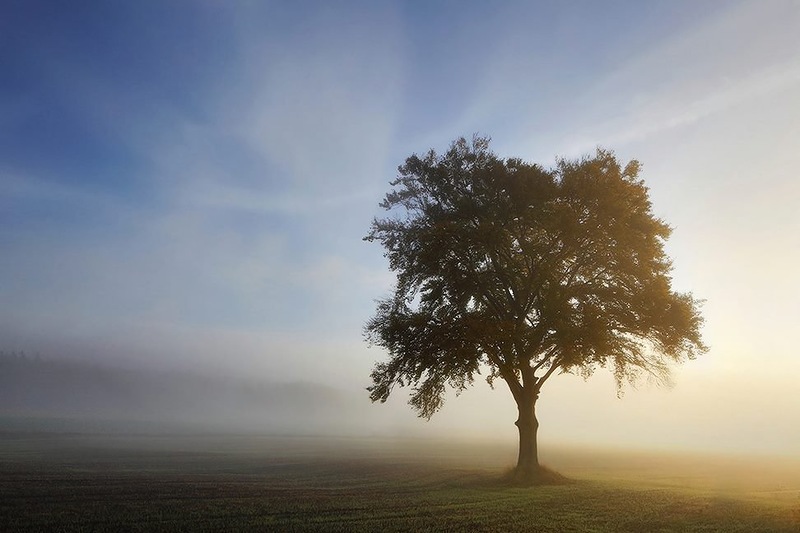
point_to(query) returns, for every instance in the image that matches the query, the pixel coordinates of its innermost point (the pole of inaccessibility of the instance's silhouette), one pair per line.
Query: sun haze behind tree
(505, 266)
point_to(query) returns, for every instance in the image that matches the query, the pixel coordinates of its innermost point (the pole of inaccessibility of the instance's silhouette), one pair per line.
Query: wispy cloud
(648, 117)
(246, 203)
(739, 54)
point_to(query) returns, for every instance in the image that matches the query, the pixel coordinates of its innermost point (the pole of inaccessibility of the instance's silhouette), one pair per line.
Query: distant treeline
(35, 387)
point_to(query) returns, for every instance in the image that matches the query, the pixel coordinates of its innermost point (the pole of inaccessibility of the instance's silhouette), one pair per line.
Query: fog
(70, 395)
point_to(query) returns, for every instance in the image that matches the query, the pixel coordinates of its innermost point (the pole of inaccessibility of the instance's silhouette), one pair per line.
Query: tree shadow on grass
(511, 478)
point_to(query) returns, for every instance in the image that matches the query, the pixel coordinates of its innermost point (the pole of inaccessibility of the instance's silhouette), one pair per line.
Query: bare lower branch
(541, 380)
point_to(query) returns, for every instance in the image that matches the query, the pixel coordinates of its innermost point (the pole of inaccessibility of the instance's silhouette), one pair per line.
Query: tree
(521, 271)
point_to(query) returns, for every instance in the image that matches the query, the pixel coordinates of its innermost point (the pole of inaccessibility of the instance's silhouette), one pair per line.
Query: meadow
(73, 482)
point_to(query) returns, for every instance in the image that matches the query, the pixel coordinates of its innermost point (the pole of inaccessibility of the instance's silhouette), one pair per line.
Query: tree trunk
(528, 468)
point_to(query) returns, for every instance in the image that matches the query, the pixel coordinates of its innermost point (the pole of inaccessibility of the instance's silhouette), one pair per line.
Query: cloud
(321, 107)
(16, 186)
(654, 116)
(216, 195)
(738, 55)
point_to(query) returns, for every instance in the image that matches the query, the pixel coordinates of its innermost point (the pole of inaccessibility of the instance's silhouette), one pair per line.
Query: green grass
(215, 484)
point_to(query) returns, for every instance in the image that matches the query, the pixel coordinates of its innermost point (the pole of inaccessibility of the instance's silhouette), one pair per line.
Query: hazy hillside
(71, 394)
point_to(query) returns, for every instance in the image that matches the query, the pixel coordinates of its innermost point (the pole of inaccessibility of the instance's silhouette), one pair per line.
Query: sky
(186, 185)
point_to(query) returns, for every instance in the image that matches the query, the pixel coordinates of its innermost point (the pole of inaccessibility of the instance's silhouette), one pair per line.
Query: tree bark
(528, 468)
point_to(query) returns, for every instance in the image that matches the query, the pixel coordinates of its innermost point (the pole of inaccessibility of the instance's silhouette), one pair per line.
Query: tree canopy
(523, 271)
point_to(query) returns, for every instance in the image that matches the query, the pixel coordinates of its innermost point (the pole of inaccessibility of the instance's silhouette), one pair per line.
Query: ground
(215, 483)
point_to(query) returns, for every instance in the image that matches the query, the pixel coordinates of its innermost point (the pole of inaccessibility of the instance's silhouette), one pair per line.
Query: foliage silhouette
(506, 266)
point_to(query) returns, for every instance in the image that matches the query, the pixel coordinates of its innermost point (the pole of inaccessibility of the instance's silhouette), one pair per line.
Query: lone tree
(522, 271)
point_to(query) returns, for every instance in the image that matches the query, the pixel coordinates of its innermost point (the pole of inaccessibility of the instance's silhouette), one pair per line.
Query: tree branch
(545, 359)
(507, 372)
(541, 380)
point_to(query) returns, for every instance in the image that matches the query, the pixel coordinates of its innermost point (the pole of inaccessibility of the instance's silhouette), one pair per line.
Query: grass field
(207, 483)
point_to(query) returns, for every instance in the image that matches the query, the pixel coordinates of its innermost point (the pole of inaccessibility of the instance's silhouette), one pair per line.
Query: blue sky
(187, 183)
